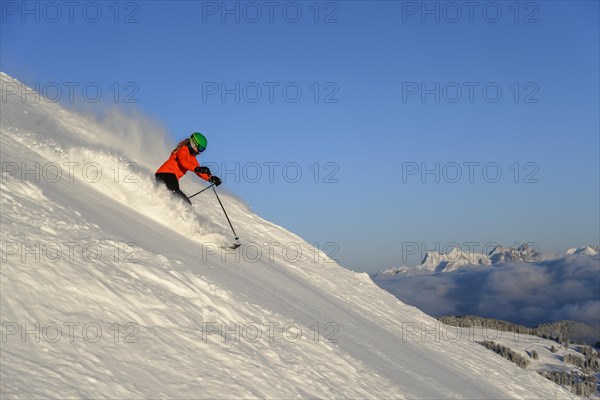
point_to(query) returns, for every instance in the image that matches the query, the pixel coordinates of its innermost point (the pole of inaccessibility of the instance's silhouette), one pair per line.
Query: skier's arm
(190, 163)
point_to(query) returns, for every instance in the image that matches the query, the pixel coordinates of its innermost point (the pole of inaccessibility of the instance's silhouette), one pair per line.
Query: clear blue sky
(372, 59)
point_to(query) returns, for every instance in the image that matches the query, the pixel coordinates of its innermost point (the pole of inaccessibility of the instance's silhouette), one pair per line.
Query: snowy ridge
(523, 253)
(155, 288)
(435, 261)
(587, 250)
(455, 259)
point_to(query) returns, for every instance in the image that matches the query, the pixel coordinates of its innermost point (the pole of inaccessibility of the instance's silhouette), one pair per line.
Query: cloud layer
(566, 288)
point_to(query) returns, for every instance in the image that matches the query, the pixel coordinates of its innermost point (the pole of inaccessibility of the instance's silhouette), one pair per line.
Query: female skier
(182, 160)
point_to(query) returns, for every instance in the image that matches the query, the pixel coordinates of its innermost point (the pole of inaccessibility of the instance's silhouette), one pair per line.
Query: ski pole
(208, 187)
(226, 216)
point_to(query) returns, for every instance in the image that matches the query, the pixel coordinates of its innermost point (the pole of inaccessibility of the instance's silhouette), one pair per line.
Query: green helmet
(198, 141)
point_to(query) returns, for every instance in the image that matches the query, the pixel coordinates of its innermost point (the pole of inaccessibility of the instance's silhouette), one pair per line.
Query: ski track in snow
(157, 273)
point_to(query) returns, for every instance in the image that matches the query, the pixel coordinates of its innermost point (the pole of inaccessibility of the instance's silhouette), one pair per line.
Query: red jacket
(180, 162)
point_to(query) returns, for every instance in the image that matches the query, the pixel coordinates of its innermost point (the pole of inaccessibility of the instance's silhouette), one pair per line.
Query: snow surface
(524, 345)
(120, 255)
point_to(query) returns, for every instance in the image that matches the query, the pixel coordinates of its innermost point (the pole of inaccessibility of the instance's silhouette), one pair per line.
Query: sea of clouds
(564, 288)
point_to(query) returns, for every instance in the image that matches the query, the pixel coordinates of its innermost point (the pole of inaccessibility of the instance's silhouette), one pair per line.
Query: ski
(231, 246)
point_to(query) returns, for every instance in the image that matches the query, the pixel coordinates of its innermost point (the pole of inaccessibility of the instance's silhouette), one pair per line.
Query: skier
(182, 160)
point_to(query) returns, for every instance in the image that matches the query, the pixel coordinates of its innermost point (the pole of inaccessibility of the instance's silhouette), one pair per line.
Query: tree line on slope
(581, 380)
(563, 332)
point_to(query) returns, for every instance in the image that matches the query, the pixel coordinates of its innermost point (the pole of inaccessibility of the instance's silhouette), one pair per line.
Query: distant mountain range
(456, 259)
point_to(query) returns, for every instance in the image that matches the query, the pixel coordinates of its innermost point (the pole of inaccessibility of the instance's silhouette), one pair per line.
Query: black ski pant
(172, 183)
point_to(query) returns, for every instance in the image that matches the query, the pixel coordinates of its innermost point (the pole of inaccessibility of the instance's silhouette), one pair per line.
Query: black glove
(202, 170)
(215, 179)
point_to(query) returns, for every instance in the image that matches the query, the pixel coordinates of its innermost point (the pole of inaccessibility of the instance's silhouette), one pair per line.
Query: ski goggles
(197, 147)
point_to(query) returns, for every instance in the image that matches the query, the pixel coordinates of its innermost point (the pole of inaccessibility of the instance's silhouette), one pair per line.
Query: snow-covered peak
(587, 250)
(395, 271)
(524, 253)
(451, 261)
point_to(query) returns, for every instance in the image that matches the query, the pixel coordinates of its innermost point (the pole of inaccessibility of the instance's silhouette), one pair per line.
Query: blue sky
(361, 120)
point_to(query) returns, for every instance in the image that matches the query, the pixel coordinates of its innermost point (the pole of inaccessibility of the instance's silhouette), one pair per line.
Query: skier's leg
(172, 183)
(183, 196)
(166, 179)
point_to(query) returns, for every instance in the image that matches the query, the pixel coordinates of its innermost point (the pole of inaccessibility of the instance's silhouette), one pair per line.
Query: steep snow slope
(126, 287)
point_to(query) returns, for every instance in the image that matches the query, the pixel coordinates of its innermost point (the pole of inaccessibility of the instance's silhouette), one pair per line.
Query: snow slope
(525, 345)
(110, 289)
